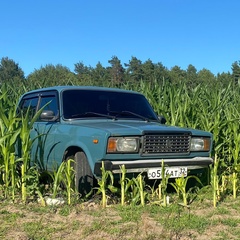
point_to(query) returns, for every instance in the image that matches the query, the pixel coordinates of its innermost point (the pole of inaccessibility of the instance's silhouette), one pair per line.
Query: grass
(88, 220)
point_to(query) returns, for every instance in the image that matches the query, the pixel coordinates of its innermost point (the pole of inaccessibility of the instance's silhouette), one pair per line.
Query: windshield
(106, 104)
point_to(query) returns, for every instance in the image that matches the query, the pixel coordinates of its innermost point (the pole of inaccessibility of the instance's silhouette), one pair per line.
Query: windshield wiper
(93, 114)
(130, 113)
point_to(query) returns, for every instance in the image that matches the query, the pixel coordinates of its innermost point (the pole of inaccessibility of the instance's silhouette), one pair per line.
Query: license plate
(171, 172)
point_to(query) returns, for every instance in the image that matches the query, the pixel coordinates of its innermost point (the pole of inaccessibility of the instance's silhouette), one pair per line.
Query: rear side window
(31, 104)
(34, 102)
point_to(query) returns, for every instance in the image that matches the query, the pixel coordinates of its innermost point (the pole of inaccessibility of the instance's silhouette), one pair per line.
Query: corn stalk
(26, 145)
(9, 132)
(163, 185)
(140, 186)
(104, 184)
(57, 177)
(123, 183)
(69, 178)
(215, 181)
(180, 186)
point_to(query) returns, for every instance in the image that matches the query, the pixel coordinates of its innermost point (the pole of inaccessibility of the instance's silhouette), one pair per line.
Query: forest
(116, 74)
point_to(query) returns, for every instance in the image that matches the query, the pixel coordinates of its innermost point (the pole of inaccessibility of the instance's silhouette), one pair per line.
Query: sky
(203, 33)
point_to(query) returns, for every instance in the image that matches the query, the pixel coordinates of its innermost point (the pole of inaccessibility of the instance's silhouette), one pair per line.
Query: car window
(51, 102)
(31, 104)
(36, 101)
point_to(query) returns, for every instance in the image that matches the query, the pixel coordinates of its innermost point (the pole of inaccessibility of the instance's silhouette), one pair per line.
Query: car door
(44, 129)
(42, 133)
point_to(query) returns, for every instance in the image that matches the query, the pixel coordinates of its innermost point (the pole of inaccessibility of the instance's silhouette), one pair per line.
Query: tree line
(116, 74)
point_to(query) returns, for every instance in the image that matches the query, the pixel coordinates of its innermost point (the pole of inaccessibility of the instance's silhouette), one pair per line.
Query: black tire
(84, 178)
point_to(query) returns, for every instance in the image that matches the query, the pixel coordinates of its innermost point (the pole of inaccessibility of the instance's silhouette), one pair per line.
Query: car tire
(84, 178)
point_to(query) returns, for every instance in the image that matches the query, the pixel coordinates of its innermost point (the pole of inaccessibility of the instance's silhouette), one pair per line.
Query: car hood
(128, 127)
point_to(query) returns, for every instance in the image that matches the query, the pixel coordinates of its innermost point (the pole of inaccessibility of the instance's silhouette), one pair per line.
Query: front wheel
(84, 178)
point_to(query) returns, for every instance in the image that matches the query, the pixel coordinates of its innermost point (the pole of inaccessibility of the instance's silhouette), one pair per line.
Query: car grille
(166, 143)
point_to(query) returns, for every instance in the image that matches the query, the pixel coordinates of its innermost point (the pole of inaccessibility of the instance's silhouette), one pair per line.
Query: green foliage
(57, 176)
(26, 145)
(138, 192)
(34, 187)
(132, 189)
(68, 178)
(10, 72)
(163, 186)
(63, 180)
(180, 186)
(116, 71)
(215, 181)
(123, 184)
(51, 75)
(9, 132)
(105, 183)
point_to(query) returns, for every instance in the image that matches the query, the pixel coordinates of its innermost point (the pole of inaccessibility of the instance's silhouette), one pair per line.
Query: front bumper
(139, 166)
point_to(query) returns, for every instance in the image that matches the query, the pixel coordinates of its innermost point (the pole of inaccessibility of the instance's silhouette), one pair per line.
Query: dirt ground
(89, 221)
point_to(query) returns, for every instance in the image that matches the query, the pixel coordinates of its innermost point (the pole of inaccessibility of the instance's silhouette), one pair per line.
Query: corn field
(212, 108)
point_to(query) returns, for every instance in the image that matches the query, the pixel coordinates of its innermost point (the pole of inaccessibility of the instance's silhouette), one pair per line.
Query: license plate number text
(171, 172)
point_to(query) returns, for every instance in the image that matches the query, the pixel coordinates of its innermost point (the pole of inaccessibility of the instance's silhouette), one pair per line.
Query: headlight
(200, 144)
(123, 144)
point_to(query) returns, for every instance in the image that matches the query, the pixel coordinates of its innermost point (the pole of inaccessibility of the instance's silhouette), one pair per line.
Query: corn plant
(63, 179)
(180, 186)
(26, 145)
(68, 178)
(215, 181)
(58, 177)
(123, 183)
(14, 175)
(140, 184)
(158, 194)
(224, 184)
(136, 192)
(129, 191)
(34, 186)
(105, 182)
(234, 179)
(9, 132)
(163, 186)
(234, 149)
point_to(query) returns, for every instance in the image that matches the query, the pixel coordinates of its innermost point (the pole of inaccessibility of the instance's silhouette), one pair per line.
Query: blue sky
(204, 33)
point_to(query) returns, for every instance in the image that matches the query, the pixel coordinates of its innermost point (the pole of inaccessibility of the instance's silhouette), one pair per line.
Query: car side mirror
(47, 115)
(162, 119)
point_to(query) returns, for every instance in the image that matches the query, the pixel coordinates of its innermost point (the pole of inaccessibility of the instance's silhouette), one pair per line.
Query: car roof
(63, 88)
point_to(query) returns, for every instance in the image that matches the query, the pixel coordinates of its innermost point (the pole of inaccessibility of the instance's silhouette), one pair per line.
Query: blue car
(118, 127)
